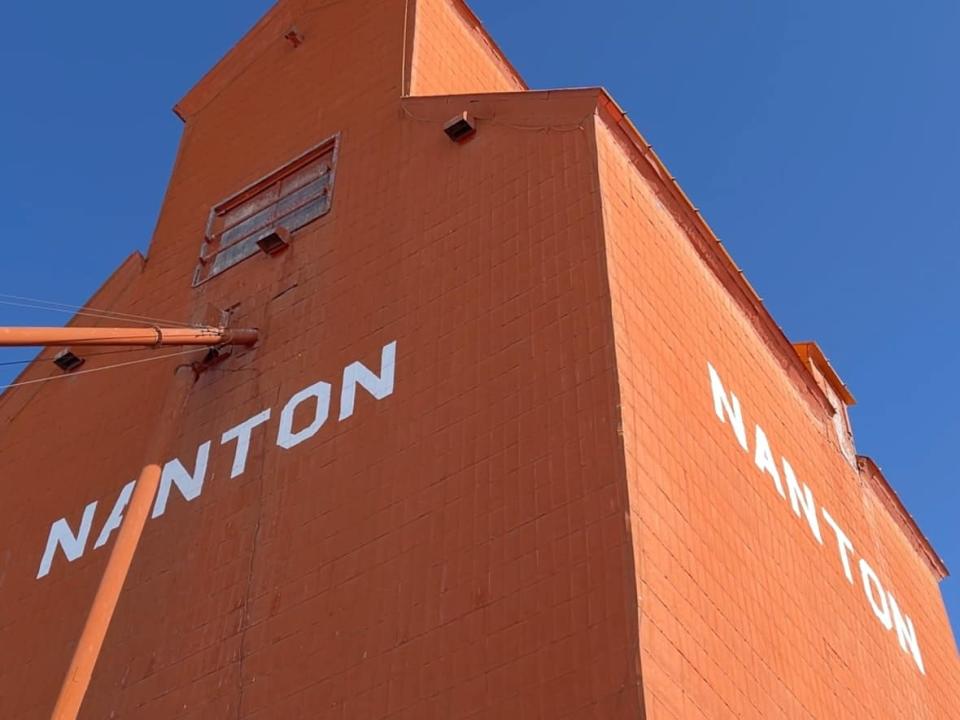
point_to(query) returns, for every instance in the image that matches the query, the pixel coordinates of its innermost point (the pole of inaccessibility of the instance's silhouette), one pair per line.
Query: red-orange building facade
(518, 439)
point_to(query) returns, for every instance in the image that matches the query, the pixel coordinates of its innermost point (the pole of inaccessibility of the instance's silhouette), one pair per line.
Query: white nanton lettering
(286, 437)
(190, 484)
(62, 536)
(116, 515)
(728, 406)
(241, 433)
(377, 385)
(882, 602)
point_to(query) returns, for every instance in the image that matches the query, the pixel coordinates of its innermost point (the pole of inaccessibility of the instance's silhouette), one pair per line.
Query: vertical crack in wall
(245, 614)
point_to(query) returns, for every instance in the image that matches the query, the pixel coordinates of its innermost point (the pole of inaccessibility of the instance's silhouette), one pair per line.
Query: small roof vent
(67, 361)
(461, 128)
(277, 241)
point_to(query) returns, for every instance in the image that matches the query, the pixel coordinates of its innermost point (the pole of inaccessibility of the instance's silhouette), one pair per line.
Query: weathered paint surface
(540, 515)
(755, 599)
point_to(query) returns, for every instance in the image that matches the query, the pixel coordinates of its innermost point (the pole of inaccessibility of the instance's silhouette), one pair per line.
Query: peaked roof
(282, 17)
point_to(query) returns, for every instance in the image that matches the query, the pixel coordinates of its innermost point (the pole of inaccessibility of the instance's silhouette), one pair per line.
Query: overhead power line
(39, 304)
(105, 367)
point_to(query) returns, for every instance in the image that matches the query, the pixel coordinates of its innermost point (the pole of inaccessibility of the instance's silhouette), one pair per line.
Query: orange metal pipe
(135, 515)
(105, 602)
(147, 337)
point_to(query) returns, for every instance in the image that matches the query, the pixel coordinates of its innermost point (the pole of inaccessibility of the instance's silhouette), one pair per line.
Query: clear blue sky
(821, 140)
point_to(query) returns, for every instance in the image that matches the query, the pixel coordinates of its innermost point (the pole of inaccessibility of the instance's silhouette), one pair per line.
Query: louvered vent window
(288, 198)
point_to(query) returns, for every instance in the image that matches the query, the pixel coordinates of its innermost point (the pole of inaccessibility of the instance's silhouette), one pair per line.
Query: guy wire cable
(38, 304)
(105, 367)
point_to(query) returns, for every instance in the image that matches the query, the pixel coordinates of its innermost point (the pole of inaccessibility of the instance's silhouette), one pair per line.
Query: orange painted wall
(743, 613)
(456, 549)
(452, 54)
(543, 519)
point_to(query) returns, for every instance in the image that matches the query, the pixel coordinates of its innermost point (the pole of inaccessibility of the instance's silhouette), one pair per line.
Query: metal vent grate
(276, 205)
